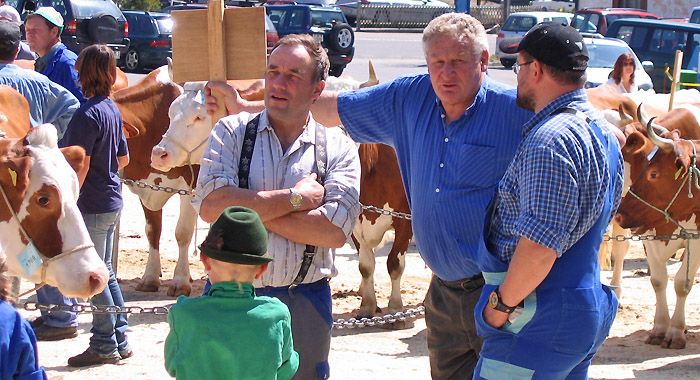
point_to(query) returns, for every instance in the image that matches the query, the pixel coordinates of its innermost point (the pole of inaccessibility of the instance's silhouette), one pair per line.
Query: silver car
(518, 24)
(602, 54)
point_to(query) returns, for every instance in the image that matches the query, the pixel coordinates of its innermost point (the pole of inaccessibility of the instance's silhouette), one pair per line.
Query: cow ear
(635, 141)
(130, 131)
(75, 155)
(15, 173)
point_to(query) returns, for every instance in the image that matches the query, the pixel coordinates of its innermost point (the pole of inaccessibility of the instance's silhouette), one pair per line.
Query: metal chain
(101, 309)
(377, 321)
(684, 234)
(167, 189)
(378, 210)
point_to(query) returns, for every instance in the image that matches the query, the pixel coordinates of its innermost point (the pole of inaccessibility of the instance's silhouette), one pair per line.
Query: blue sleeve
(61, 105)
(64, 74)
(23, 352)
(81, 131)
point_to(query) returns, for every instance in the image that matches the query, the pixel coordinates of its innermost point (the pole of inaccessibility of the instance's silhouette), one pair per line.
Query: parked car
(555, 5)
(602, 54)
(86, 22)
(657, 41)
(270, 30)
(151, 36)
(349, 7)
(327, 25)
(597, 20)
(517, 24)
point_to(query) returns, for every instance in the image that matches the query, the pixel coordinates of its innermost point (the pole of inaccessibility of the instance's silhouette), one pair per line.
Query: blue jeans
(108, 330)
(49, 295)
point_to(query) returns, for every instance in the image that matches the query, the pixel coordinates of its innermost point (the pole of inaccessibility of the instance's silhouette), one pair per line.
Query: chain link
(378, 210)
(377, 321)
(167, 189)
(102, 309)
(684, 234)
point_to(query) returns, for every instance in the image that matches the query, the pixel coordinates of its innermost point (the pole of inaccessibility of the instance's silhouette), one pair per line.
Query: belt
(465, 283)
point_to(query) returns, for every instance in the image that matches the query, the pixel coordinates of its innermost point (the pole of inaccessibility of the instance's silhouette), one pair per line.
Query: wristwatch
(295, 198)
(496, 303)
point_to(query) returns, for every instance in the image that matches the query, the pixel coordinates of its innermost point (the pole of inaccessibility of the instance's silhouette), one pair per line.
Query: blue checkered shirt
(555, 188)
(450, 172)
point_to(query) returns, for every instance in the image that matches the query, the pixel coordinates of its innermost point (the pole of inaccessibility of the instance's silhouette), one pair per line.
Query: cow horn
(624, 117)
(644, 120)
(663, 143)
(372, 81)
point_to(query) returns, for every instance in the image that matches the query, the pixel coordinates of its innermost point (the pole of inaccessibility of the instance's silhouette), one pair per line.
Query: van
(657, 41)
(597, 20)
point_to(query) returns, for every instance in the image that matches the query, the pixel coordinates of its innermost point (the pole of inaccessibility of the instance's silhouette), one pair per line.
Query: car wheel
(507, 63)
(132, 61)
(336, 70)
(103, 28)
(341, 38)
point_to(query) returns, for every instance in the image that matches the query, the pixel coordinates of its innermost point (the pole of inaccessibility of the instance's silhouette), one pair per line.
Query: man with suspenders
(543, 312)
(302, 179)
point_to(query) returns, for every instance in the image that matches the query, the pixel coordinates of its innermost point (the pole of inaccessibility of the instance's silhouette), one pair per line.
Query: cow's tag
(29, 259)
(678, 173)
(13, 174)
(652, 153)
(199, 97)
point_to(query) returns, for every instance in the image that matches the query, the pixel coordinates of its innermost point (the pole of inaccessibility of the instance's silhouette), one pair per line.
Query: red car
(597, 20)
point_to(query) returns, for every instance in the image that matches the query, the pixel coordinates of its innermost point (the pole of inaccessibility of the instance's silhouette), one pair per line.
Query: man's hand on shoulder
(311, 191)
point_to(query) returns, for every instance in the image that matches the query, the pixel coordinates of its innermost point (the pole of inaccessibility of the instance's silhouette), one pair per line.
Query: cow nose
(98, 281)
(159, 156)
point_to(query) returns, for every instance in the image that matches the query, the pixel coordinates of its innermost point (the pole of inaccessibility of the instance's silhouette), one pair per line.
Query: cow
(42, 232)
(660, 201)
(381, 186)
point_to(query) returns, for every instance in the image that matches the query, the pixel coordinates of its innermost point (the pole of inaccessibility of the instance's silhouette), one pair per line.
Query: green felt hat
(238, 236)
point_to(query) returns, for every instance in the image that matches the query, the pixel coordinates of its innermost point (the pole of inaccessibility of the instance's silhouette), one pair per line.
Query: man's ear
(262, 270)
(205, 261)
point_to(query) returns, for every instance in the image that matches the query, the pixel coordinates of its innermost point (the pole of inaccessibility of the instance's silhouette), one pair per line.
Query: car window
(87, 9)
(667, 40)
(165, 25)
(586, 22)
(633, 35)
(145, 24)
(58, 5)
(519, 24)
(610, 18)
(562, 20)
(326, 19)
(275, 16)
(295, 19)
(695, 17)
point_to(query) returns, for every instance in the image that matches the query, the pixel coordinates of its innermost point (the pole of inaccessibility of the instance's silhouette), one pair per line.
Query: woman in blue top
(97, 127)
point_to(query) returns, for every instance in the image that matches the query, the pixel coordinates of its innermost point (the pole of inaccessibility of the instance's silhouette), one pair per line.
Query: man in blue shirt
(543, 312)
(56, 61)
(48, 102)
(454, 131)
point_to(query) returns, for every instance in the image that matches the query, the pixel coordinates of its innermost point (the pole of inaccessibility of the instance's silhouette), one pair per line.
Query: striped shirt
(555, 189)
(450, 173)
(273, 169)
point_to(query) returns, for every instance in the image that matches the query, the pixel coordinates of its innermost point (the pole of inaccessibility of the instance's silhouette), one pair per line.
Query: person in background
(622, 75)
(43, 29)
(25, 54)
(97, 127)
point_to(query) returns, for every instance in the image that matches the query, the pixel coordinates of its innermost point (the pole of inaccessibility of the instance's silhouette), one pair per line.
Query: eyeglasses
(517, 66)
(630, 63)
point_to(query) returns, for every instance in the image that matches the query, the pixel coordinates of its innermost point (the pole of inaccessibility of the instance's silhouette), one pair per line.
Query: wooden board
(245, 44)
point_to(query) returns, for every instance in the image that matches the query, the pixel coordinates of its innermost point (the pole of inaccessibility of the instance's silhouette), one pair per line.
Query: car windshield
(519, 24)
(326, 19)
(604, 56)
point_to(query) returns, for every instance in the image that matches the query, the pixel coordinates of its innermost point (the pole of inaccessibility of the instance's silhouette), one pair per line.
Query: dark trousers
(453, 345)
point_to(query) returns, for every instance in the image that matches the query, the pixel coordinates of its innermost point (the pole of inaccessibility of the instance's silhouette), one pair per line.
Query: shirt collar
(44, 60)
(308, 135)
(231, 289)
(560, 102)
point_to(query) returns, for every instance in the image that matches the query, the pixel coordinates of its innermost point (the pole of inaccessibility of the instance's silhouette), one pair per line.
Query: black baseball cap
(556, 44)
(9, 33)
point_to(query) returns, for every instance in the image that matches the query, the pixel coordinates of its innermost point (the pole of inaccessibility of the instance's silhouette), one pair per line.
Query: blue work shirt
(450, 173)
(48, 101)
(60, 68)
(555, 189)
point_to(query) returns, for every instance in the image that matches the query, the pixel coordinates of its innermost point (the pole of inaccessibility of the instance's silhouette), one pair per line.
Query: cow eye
(43, 200)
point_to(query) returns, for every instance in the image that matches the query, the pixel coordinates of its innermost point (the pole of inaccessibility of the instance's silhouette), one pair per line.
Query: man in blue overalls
(543, 312)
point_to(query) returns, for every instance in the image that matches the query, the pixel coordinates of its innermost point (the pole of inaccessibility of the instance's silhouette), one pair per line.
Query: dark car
(270, 31)
(86, 22)
(151, 36)
(597, 20)
(327, 25)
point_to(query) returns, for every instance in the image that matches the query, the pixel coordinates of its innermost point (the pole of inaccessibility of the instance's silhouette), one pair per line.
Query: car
(602, 54)
(597, 20)
(86, 22)
(657, 41)
(555, 5)
(327, 25)
(517, 24)
(270, 31)
(349, 7)
(151, 36)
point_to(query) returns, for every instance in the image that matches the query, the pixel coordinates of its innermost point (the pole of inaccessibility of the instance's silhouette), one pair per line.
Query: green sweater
(229, 333)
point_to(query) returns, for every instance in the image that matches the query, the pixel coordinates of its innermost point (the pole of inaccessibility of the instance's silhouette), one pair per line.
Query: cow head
(39, 207)
(665, 183)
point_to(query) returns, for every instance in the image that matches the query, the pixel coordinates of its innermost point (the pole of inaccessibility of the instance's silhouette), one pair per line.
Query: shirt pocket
(476, 166)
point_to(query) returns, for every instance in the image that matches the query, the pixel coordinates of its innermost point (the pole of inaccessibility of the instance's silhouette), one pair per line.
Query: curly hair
(458, 25)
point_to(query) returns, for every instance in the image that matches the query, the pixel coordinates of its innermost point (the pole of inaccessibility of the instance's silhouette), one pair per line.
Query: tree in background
(146, 5)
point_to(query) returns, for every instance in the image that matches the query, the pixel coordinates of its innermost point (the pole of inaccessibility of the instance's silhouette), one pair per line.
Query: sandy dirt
(374, 352)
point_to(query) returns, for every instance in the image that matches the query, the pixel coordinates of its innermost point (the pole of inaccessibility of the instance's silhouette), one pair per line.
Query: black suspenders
(251, 131)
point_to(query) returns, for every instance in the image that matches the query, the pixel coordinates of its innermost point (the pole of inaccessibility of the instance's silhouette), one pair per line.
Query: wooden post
(676, 77)
(217, 57)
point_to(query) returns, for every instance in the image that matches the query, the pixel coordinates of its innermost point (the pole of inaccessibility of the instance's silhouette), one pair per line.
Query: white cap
(9, 13)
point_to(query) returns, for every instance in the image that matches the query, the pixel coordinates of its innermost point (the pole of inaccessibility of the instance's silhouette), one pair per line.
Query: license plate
(117, 54)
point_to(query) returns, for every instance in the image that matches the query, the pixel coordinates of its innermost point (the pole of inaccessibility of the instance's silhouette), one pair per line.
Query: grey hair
(458, 24)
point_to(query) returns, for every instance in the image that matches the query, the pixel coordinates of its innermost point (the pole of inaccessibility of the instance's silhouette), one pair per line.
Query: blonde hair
(457, 25)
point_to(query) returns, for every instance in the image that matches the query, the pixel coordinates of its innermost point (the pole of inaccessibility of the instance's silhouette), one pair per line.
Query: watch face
(493, 299)
(296, 199)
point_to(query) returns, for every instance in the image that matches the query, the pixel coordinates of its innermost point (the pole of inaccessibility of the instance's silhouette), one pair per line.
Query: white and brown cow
(656, 183)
